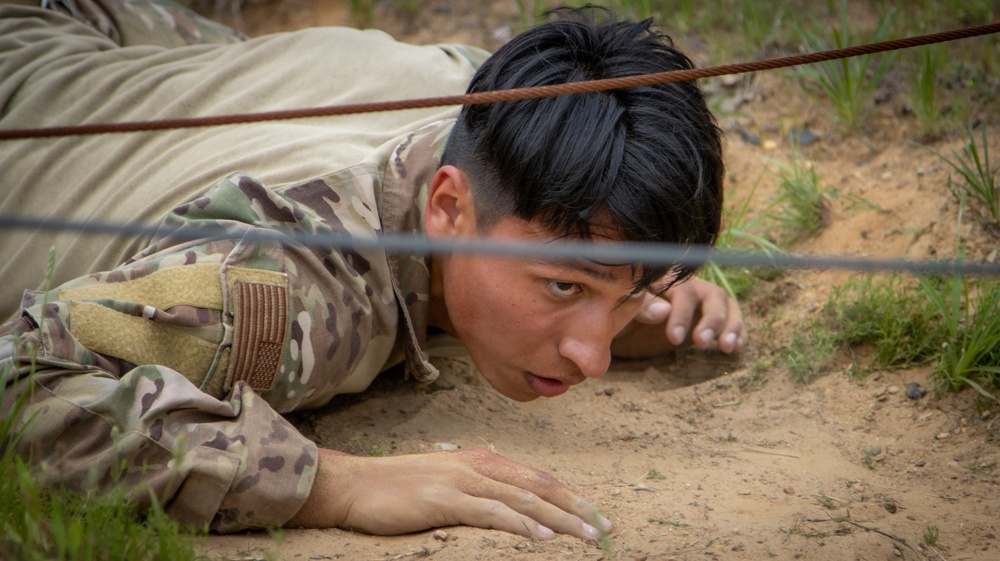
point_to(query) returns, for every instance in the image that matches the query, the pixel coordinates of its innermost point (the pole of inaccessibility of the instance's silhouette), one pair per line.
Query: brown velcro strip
(261, 314)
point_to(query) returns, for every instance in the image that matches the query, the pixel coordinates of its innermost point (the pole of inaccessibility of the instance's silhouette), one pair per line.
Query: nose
(587, 343)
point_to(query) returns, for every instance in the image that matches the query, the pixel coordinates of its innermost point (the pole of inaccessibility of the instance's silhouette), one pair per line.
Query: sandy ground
(698, 455)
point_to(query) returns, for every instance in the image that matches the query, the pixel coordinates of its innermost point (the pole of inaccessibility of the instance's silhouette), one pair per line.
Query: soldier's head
(639, 164)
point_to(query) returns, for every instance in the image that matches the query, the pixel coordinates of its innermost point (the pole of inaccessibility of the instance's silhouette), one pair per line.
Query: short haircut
(646, 161)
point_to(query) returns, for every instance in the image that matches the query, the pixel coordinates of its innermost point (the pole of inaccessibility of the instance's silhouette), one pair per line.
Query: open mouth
(546, 387)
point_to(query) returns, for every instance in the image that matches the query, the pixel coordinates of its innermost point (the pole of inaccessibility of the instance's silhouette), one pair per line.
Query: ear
(449, 210)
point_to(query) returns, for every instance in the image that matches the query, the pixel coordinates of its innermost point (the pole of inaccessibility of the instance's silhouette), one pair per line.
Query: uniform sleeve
(152, 375)
(92, 421)
(169, 372)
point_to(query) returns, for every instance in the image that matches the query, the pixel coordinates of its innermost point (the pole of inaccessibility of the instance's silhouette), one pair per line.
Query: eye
(563, 289)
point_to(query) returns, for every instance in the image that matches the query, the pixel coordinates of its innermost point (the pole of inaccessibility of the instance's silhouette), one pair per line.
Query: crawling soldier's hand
(695, 311)
(401, 494)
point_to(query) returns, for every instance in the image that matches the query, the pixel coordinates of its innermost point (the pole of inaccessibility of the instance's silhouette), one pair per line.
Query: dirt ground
(698, 455)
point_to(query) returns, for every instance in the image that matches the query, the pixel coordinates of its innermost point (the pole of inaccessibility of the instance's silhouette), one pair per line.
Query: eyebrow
(595, 270)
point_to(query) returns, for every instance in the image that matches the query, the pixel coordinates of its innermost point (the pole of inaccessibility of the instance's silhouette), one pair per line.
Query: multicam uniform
(175, 363)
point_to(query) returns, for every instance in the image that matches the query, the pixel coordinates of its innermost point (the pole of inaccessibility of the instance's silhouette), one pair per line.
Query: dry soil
(698, 455)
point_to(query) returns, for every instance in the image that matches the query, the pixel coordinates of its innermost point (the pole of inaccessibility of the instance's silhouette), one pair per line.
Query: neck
(437, 308)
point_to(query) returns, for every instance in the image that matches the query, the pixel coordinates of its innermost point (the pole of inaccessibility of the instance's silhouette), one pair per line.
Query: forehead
(603, 272)
(516, 229)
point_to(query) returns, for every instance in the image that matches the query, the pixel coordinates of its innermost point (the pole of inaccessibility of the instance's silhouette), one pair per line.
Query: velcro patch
(260, 314)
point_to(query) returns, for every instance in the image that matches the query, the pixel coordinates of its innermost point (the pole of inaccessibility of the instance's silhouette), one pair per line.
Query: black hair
(645, 161)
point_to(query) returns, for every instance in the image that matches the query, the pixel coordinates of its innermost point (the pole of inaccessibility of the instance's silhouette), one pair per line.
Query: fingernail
(591, 532)
(707, 336)
(678, 333)
(544, 533)
(730, 340)
(605, 523)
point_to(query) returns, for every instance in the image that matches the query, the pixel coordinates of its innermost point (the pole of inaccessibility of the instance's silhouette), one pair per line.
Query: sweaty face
(534, 327)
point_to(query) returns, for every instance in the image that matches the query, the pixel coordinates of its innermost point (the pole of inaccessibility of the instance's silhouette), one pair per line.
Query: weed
(664, 522)
(971, 354)
(798, 530)
(810, 353)
(890, 314)
(924, 96)
(848, 84)
(758, 374)
(869, 461)
(362, 12)
(801, 207)
(978, 181)
(975, 466)
(738, 233)
(44, 522)
(654, 474)
(930, 534)
(379, 450)
(826, 502)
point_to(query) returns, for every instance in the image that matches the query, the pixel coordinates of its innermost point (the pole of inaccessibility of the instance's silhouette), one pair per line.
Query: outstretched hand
(696, 312)
(402, 494)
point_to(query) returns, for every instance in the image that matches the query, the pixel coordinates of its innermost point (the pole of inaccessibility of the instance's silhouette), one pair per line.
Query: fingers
(654, 310)
(719, 318)
(401, 494)
(536, 495)
(519, 512)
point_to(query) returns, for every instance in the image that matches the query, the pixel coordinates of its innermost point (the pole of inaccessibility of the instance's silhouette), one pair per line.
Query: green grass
(950, 322)
(740, 231)
(847, 85)
(977, 183)
(53, 523)
(970, 315)
(890, 313)
(802, 204)
(924, 95)
(362, 13)
(930, 534)
(654, 474)
(810, 353)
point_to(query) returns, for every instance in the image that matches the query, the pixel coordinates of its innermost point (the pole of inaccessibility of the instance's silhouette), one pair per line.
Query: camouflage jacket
(55, 70)
(169, 370)
(177, 364)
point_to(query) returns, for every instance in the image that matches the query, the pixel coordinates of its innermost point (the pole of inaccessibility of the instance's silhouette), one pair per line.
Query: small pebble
(770, 145)
(441, 535)
(943, 436)
(913, 391)
(605, 391)
(875, 451)
(789, 490)
(748, 136)
(893, 390)
(920, 464)
(803, 136)
(446, 446)
(889, 505)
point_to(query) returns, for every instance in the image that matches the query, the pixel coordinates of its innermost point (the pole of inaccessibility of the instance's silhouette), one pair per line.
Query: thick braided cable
(507, 95)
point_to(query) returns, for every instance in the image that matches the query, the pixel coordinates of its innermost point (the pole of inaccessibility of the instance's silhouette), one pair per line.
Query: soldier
(174, 356)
